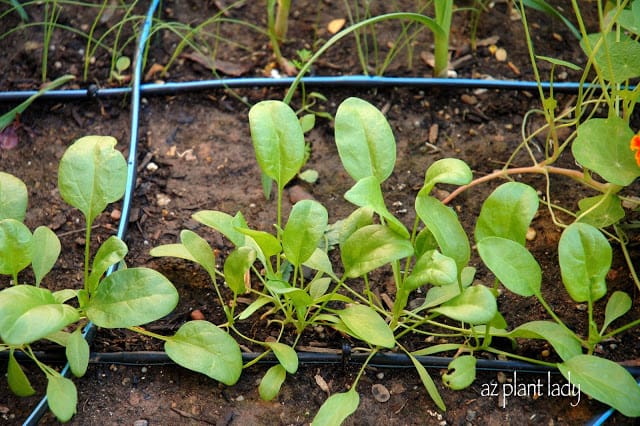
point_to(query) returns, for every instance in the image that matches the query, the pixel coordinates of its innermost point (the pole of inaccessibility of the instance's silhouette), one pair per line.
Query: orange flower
(635, 146)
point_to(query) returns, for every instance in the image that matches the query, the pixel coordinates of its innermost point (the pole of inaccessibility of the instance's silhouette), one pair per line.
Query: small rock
(501, 54)
(471, 415)
(468, 99)
(197, 315)
(380, 375)
(298, 193)
(162, 199)
(141, 422)
(531, 234)
(116, 214)
(380, 392)
(152, 167)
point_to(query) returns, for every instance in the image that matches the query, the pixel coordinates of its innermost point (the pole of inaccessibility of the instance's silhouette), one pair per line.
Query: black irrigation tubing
(345, 356)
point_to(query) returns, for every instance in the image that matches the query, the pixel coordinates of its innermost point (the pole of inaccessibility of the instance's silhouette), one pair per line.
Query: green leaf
(447, 170)
(286, 355)
(602, 145)
(131, 297)
(254, 306)
(337, 408)
(438, 295)
(309, 176)
(271, 382)
(13, 197)
(44, 252)
(600, 211)
(29, 313)
(92, 174)
(16, 245)
(200, 250)
(428, 383)
(236, 266)
(513, 265)
(616, 57)
(565, 343)
(371, 247)
(77, 352)
(359, 218)
(367, 193)
(461, 372)
(365, 140)
(618, 304)
(585, 259)
(62, 397)
(507, 212)
(277, 139)
(320, 261)
(432, 268)
(605, 381)
(559, 62)
(267, 243)
(445, 227)
(305, 227)
(18, 381)
(8, 117)
(629, 19)
(226, 224)
(109, 253)
(365, 324)
(307, 122)
(318, 287)
(476, 305)
(202, 347)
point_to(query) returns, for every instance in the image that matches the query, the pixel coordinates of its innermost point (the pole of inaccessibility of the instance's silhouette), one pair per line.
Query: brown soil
(201, 145)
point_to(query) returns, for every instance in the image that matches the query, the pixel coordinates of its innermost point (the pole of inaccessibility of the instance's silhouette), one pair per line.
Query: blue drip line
(171, 88)
(89, 330)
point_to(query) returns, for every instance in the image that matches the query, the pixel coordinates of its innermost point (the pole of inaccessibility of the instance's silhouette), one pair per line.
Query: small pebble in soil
(380, 375)
(141, 422)
(531, 234)
(380, 392)
(545, 353)
(143, 370)
(471, 415)
(197, 314)
(116, 214)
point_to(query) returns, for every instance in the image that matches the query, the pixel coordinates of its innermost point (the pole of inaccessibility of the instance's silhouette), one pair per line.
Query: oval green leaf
(443, 223)
(585, 259)
(304, 229)
(476, 305)
(131, 297)
(44, 252)
(77, 352)
(365, 324)
(62, 397)
(92, 174)
(278, 140)
(365, 141)
(513, 265)
(16, 245)
(112, 251)
(286, 355)
(602, 145)
(236, 266)
(202, 347)
(13, 197)
(337, 408)
(432, 268)
(447, 170)
(18, 381)
(371, 247)
(565, 343)
(604, 380)
(271, 382)
(507, 212)
(618, 304)
(461, 372)
(30, 313)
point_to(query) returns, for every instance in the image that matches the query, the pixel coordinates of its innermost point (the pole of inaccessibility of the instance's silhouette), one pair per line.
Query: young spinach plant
(92, 174)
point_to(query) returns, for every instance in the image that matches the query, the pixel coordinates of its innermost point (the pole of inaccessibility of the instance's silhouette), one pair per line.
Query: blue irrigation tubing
(172, 88)
(89, 330)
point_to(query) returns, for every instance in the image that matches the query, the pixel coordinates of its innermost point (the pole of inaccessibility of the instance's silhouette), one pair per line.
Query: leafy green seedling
(92, 174)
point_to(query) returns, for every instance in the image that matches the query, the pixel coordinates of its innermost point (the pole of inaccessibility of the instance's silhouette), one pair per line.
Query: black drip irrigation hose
(345, 356)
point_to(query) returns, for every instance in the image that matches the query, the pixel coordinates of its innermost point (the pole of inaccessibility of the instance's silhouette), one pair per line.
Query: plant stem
(540, 168)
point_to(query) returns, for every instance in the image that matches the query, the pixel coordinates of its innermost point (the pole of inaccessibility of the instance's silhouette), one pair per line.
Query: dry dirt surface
(200, 149)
